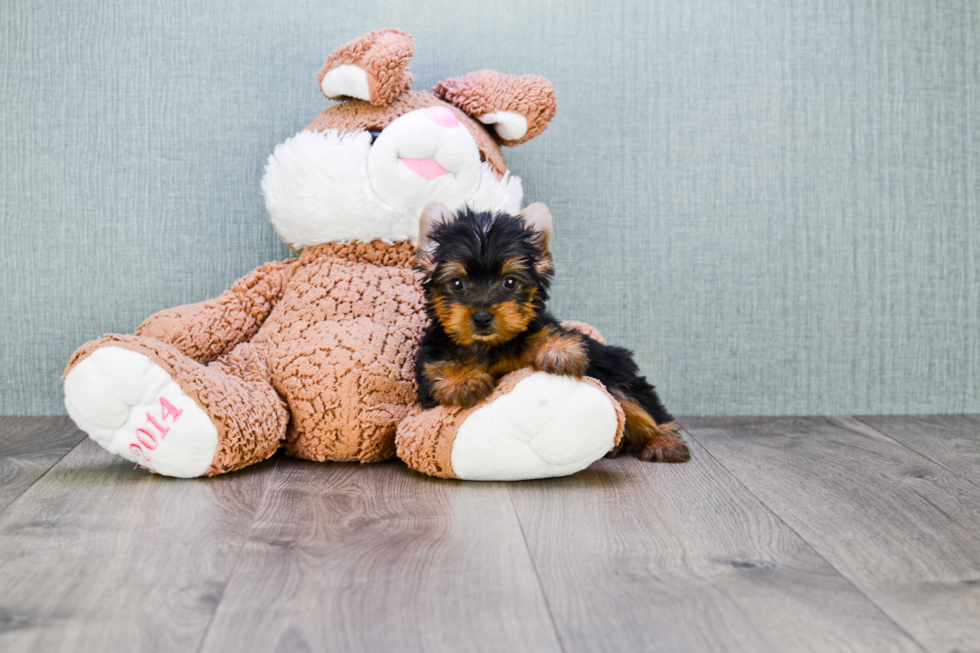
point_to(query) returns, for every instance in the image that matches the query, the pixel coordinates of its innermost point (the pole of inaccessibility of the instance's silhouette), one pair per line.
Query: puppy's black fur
(486, 288)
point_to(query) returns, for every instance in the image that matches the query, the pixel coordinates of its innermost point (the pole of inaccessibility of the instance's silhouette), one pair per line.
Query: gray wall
(774, 202)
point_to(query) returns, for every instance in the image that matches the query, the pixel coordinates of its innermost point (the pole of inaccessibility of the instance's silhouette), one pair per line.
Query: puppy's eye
(510, 283)
(374, 135)
(456, 284)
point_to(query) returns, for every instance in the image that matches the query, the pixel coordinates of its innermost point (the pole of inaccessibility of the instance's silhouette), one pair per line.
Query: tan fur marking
(649, 440)
(511, 364)
(510, 319)
(458, 384)
(512, 265)
(556, 352)
(452, 270)
(456, 319)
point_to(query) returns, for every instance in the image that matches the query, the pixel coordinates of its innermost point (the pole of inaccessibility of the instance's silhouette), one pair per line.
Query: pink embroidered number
(147, 437)
(168, 409)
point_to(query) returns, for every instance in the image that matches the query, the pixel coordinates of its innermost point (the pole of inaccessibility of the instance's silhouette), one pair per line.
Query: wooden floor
(782, 534)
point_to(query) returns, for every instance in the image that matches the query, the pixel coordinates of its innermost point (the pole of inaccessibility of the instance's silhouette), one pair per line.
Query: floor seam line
(537, 576)
(46, 472)
(915, 451)
(816, 552)
(238, 556)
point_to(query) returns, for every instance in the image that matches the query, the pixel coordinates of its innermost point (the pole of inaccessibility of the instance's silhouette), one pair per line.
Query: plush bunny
(316, 354)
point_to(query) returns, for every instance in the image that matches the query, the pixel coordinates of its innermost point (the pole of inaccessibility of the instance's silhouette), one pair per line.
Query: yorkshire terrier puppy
(486, 284)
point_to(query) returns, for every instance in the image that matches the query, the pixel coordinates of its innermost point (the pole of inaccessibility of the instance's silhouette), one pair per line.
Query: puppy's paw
(562, 353)
(464, 392)
(459, 385)
(666, 448)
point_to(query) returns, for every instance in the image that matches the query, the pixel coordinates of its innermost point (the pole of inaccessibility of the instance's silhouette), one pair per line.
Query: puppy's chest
(509, 362)
(521, 352)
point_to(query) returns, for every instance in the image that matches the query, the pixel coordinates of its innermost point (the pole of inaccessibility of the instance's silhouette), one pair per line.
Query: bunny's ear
(373, 67)
(518, 106)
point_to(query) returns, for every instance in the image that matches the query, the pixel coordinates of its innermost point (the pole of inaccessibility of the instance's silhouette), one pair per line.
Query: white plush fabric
(326, 186)
(546, 426)
(416, 136)
(510, 125)
(115, 392)
(346, 80)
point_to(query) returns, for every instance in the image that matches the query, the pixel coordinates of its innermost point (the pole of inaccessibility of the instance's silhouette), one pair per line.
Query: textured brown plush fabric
(208, 329)
(584, 329)
(488, 91)
(425, 440)
(358, 115)
(384, 55)
(342, 343)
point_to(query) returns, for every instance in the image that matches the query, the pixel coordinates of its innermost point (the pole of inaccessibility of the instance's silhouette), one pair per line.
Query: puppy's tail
(650, 429)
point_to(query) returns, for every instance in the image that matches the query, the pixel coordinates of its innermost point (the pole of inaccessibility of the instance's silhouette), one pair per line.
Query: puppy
(486, 279)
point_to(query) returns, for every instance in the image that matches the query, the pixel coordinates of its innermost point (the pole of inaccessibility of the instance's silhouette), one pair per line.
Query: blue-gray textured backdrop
(774, 202)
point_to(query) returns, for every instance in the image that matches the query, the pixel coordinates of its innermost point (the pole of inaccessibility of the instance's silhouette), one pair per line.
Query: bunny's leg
(145, 401)
(534, 425)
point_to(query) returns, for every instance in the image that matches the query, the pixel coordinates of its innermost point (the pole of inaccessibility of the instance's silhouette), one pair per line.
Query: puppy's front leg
(557, 351)
(458, 384)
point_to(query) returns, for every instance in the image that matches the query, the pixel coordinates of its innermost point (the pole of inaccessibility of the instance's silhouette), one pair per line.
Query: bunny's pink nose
(442, 116)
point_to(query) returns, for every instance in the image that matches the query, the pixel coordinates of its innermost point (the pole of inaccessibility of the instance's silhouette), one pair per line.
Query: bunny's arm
(206, 330)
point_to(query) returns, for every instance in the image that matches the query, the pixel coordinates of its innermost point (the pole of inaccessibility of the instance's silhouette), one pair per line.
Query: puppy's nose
(482, 319)
(442, 116)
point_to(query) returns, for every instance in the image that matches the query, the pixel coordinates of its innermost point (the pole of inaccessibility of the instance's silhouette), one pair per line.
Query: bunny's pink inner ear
(517, 107)
(372, 67)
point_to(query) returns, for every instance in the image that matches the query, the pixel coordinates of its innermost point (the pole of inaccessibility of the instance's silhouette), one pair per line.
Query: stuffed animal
(316, 354)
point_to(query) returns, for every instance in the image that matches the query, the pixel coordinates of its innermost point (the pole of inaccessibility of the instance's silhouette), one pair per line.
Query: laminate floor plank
(377, 558)
(99, 556)
(29, 447)
(637, 556)
(902, 528)
(953, 441)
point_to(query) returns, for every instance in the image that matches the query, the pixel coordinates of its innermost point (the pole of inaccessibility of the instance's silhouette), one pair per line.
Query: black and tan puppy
(486, 285)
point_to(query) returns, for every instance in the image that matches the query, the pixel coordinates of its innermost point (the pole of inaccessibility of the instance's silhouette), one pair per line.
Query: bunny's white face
(330, 186)
(336, 183)
(422, 156)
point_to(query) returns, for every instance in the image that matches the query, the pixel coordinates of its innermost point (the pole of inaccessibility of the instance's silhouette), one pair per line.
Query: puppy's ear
(518, 106)
(433, 215)
(372, 67)
(537, 217)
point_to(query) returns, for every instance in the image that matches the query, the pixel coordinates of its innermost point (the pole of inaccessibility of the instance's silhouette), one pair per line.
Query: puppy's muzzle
(482, 321)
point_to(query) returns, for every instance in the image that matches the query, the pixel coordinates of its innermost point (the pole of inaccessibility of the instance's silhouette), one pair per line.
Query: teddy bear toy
(316, 354)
